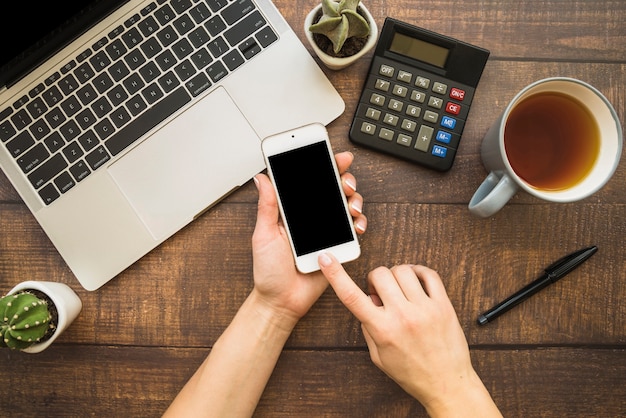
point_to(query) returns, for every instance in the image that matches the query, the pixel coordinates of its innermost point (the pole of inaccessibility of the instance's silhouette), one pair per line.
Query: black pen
(554, 272)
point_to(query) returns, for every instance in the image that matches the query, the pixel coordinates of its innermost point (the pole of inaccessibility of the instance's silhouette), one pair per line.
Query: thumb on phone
(345, 288)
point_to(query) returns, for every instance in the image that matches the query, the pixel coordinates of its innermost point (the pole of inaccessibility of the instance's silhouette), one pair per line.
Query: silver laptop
(125, 120)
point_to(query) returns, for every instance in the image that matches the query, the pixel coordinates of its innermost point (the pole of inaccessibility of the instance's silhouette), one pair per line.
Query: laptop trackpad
(189, 164)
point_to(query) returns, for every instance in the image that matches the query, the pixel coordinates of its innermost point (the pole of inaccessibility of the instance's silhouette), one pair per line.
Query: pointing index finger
(347, 291)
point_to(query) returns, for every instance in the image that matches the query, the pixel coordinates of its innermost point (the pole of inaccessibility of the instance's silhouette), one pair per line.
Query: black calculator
(417, 95)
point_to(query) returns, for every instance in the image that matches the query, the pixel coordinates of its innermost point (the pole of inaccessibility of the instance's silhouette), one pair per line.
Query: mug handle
(491, 196)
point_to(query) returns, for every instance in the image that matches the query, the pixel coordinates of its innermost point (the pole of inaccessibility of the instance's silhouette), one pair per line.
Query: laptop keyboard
(111, 94)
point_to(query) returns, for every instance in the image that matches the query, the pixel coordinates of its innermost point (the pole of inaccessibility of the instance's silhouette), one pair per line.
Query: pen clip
(565, 264)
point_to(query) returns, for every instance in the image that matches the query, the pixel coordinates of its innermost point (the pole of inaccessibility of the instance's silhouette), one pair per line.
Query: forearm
(231, 380)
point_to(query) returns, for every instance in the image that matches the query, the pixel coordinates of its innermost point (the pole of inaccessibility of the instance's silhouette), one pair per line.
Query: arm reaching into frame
(231, 380)
(414, 336)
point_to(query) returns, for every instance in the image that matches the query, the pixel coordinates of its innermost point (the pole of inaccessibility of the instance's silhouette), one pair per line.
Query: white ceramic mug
(503, 181)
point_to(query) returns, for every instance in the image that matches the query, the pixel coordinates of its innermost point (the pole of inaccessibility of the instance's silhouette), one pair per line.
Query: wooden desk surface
(562, 353)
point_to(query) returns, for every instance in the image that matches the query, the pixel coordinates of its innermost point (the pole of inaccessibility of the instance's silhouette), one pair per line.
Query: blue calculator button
(439, 151)
(443, 136)
(448, 122)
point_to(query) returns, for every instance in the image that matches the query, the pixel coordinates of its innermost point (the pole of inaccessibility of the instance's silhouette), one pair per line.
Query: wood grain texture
(140, 382)
(561, 353)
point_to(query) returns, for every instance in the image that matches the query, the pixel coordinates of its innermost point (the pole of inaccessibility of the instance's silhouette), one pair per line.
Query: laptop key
(20, 143)
(183, 24)
(136, 104)
(237, 10)
(168, 82)
(152, 93)
(49, 194)
(70, 106)
(200, 13)
(84, 72)
(68, 84)
(6, 131)
(100, 61)
(72, 152)
(33, 158)
(64, 182)
(216, 5)
(180, 5)
(249, 48)
(54, 142)
(198, 84)
(47, 171)
(52, 96)
(97, 157)
(165, 15)
(88, 140)
(266, 36)
(244, 29)
(132, 38)
(80, 170)
(233, 59)
(184, 70)
(148, 120)
(215, 25)
(21, 119)
(216, 71)
(116, 49)
(104, 129)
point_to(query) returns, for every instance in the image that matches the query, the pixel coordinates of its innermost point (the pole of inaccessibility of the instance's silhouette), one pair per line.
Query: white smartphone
(313, 206)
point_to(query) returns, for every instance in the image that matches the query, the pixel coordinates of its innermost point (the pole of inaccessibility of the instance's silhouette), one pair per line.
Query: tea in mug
(551, 141)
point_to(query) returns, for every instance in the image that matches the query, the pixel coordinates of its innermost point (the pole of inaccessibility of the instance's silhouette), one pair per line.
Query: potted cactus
(340, 32)
(33, 315)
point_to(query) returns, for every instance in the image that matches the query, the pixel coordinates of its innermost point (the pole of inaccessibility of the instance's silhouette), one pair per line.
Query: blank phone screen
(311, 198)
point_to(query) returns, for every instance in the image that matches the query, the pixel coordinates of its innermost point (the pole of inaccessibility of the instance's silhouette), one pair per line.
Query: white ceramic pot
(67, 303)
(335, 63)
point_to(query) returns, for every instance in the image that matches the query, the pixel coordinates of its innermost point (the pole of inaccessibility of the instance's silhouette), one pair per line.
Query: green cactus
(24, 320)
(340, 21)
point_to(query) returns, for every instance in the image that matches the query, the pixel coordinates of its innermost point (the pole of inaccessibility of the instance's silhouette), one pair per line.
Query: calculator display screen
(420, 50)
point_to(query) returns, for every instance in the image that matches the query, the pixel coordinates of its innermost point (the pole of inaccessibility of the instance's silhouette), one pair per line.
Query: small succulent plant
(24, 320)
(340, 20)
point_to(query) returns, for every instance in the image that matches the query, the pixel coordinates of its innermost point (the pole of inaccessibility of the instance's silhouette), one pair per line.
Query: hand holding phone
(311, 201)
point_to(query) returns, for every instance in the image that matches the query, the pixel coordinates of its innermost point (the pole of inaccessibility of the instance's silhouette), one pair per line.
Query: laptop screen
(38, 29)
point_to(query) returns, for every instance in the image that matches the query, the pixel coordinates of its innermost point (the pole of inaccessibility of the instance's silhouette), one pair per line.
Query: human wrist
(273, 314)
(467, 397)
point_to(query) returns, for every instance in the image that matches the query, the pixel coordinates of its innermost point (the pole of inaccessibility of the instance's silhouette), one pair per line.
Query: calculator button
(435, 102)
(368, 128)
(377, 99)
(396, 105)
(391, 119)
(422, 82)
(409, 125)
(372, 113)
(413, 110)
(382, 85)
(431, 116)
(386, 134)
(400, 91)
(443, 136)
(386, 70)
(405, 76)
(404, 140)
(457, 94)
(424, 136)
(448, 122)
(439, 151)
(440, 88)
(418, 96)
(453, 108)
